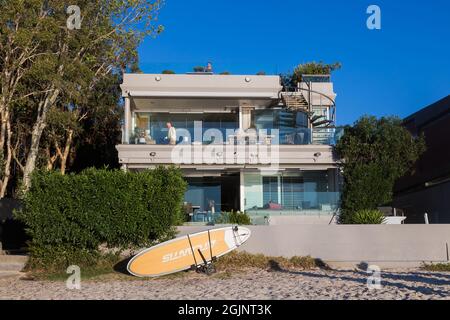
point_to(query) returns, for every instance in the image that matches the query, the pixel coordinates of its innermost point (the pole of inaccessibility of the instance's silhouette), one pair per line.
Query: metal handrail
(286, 89)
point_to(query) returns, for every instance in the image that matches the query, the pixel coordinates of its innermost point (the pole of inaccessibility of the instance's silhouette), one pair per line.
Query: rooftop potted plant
(199, 69)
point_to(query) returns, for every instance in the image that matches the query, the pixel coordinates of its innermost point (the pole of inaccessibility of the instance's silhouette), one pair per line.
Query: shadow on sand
(388, 279)
(121, 267)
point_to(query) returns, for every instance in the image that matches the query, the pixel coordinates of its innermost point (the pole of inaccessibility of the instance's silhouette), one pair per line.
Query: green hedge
(69, 216)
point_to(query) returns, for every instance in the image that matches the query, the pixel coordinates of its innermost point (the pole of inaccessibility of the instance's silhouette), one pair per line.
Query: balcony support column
(240, 118)
(242, 191)
(245, 114)
(127, 121)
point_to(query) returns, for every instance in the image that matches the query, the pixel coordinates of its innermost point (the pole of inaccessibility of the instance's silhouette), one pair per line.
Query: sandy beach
(249, 284)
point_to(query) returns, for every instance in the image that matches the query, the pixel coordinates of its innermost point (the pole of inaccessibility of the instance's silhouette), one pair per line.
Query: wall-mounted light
(158, 78)
(248, 79)
(317, 154)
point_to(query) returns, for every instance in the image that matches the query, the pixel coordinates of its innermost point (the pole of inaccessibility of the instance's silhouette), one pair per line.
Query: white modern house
(243, 142)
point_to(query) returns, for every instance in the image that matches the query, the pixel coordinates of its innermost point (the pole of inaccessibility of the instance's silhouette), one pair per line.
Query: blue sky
(393, 71)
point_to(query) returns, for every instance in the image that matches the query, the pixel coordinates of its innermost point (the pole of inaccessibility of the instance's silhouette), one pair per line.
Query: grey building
(427, 189)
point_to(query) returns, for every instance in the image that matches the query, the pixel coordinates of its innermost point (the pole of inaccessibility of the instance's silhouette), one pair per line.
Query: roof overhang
(201, 86)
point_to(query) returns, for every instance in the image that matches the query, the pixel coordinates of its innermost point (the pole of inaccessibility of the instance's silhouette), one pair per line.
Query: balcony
(293, 202)
(291, 136)
(270, 126)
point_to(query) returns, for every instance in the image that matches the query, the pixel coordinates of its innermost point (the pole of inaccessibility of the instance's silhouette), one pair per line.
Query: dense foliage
(199, 69)
(69, 216)
(316, 68)
(309, 68)
(374, 153)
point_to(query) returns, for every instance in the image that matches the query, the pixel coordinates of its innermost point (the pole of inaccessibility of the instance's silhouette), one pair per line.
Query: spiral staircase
(294, 102)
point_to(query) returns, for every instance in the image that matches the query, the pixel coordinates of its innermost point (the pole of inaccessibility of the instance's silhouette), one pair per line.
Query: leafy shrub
(367, 216)
(199, 69)
(69, 216)
(316, 68)
(234, 217)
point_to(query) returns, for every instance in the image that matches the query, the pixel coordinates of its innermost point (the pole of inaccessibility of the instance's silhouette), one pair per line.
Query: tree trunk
(50, 158)
(3, 125)
(66, 152)
(4, 105)
(7, 162)
(36, 135)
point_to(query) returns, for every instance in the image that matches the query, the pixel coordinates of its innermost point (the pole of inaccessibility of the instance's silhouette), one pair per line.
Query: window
(152, 126)
(205, 193)
(292, 190)
(270, 190)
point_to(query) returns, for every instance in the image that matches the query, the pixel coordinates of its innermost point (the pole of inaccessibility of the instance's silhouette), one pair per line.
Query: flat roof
(200, 86)
(430, 113)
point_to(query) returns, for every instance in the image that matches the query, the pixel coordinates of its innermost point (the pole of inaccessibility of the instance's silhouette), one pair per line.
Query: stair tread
(13, 259)
(322, 122)
(314, 118)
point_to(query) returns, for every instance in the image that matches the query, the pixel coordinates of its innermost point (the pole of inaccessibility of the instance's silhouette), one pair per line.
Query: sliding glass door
(291, 191)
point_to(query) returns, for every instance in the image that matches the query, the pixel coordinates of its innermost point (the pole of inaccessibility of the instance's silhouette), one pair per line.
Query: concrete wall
(387, 246)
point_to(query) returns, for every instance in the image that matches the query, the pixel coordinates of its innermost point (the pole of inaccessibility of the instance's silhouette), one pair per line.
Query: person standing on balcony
(209, 67)
(171, 134)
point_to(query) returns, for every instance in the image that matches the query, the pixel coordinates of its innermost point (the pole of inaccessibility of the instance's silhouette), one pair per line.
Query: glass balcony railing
(282, 136)
(291, 203)
(210, 218)
(328, 136)
(316, 78)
